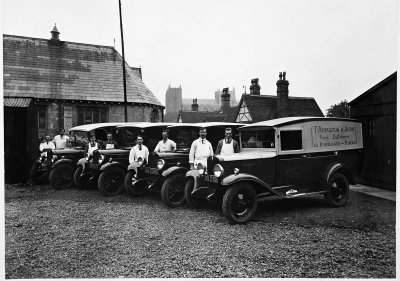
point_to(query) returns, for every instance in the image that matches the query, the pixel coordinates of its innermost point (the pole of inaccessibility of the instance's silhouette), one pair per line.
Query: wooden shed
(376, 108)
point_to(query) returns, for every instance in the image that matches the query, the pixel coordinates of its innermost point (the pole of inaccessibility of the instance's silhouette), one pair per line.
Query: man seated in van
(227, 145)
(46, 145)
(165, 144)
(110, 143)
(92, 146)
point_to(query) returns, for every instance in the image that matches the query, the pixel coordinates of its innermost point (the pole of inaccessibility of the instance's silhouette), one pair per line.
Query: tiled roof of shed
(72, 71)
(16, 102)
(263, 107)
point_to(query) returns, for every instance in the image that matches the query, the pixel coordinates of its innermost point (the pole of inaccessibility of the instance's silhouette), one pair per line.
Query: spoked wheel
(338, 190)
(191, 200)
(173, 190)
(81, 183)
(62, 176)
(134, 187)
(38, 176)
(111, 181)
(240, 203)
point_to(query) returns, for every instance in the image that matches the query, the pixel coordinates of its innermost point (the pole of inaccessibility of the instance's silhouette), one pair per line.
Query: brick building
(255, 107)
(68, 84)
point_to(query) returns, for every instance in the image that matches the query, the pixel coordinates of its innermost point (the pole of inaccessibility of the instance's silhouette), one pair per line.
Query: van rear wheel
(240, 203)
(337, 190)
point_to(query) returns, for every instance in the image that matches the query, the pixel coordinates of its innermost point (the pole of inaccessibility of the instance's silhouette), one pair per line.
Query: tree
(341, 110)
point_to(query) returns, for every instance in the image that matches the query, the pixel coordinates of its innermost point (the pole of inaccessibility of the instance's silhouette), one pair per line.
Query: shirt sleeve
(132, 156)
(236, 147)
(192, 152)
(173, 144)
(41, 147)
(52, 145)
(147, 155)
(219, 146)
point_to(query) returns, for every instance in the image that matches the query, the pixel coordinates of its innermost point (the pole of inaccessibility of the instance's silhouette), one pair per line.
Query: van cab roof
(90, 127)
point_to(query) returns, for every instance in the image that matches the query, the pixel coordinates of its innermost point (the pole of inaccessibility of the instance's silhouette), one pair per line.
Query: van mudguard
(174, 170)
(113, 164)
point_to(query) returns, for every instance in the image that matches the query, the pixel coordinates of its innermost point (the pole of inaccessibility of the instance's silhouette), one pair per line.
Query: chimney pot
(255, 88)
(282, 103)
(225, 99)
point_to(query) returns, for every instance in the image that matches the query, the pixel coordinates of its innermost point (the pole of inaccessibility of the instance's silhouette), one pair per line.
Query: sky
(331, 50)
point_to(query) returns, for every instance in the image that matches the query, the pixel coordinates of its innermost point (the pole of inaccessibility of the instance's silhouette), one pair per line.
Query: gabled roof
(264, 107)
(35, 68)
(371, 90)
(214, 118)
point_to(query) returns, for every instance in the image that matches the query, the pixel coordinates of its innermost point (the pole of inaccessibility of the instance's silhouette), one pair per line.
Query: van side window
(291, 140)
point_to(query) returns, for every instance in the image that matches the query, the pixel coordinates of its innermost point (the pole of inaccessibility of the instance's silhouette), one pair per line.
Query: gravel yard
(82, 234)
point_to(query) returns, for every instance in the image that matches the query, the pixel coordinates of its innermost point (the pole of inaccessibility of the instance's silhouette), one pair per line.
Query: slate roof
(16, 102)
(35, 68)
(263, 107)
(192, 116)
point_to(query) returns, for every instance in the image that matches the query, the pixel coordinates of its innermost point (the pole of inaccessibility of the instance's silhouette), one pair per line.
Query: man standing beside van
(165, 144)
(200, 150)
(61, 140)
(227, 145)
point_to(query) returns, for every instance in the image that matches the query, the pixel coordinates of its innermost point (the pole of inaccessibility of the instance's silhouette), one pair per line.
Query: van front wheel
(240, 203)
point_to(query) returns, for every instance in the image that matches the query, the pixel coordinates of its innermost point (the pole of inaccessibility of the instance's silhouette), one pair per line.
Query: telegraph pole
(123, 64)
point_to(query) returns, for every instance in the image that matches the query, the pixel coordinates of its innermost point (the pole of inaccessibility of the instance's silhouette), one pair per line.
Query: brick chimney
(195, 106)
(55, 40)
(282, 106)
(255, 88)
(225, 99)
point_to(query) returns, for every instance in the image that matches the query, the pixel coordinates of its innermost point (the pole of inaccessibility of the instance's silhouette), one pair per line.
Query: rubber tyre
(34, 175)
(134, 189)
(173, 190)
(78, 182)
(338, 190)
(111, 181)
(240, 203)
(193, 201)
(62, 176)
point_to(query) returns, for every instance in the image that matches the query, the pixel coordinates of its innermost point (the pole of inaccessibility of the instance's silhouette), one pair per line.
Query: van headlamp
(87, 156)
(218, 170)
(160, 164)
(201, 169)
(236, 171)
(101, 159)
(140, 161)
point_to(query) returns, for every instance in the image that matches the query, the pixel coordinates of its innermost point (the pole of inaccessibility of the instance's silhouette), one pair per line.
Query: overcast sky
(331, 50)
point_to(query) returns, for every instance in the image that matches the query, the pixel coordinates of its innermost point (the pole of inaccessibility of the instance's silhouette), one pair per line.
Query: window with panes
(91, 115)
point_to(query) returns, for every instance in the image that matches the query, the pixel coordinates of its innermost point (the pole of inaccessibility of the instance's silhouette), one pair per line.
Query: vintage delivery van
(287, 157)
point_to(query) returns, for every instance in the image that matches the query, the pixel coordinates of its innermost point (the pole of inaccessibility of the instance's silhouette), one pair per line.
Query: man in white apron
(165, 144)
(110, 143)
(227, 145)
(200, 150)
(92, 145)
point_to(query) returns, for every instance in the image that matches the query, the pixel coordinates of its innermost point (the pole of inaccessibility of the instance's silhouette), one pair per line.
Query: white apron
(201, 155)
(91, 149)
(227, 148)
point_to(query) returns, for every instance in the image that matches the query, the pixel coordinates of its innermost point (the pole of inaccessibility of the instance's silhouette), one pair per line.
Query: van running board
(303, 194)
